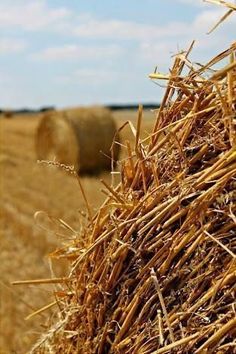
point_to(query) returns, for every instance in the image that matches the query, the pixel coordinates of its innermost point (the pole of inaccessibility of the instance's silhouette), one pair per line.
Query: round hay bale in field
(8, 114)
(81, 137)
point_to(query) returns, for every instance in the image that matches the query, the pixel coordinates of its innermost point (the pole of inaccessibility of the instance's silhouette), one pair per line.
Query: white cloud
(93, 28)
(32, 15)
(207, 18)
(126, 30)
(89, 76)
(77, 52)
(160, 51)
(11, 45)
(37, 15)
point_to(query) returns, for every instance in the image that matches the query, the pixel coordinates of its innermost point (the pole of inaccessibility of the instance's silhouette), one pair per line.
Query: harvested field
(27, 187)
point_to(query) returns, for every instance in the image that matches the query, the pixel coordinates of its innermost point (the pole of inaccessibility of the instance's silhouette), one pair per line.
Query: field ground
(27, 187)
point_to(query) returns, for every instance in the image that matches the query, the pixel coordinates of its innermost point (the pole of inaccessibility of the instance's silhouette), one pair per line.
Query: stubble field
(27, 187)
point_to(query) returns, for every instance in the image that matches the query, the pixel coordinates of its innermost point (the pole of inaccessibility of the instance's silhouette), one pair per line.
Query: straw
(156, 270)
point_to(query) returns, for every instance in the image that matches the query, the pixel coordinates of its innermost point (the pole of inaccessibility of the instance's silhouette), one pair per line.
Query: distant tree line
(8, 113)
(116, 107)
(25, 110)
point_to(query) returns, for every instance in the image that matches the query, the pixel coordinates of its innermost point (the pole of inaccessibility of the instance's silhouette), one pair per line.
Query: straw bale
(80, 137)
(154, 271)
(8, 114)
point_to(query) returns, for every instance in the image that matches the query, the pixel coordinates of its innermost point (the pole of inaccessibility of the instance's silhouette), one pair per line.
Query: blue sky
(69, 53)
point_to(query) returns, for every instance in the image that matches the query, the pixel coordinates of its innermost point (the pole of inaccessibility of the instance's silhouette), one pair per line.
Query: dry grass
(25, 188)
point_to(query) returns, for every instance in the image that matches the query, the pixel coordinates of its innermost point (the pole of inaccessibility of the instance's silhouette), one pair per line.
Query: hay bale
(8, 114)
(154, 271)
(81, 137)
